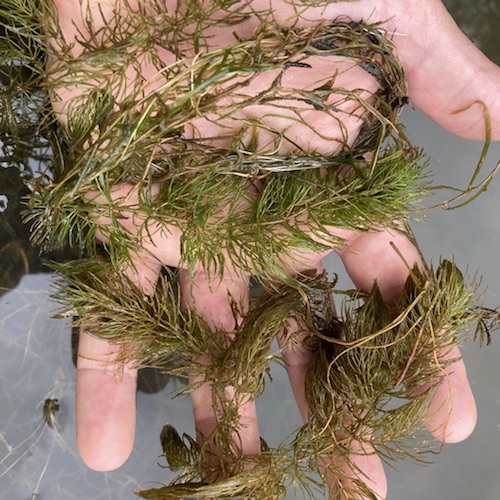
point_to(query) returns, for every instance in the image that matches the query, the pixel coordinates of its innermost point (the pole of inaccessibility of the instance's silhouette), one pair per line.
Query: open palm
(446, 75)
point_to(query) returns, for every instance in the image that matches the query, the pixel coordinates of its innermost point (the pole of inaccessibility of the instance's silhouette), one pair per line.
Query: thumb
(446, 73)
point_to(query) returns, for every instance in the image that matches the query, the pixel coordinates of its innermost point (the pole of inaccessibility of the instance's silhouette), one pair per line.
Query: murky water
(37, 363)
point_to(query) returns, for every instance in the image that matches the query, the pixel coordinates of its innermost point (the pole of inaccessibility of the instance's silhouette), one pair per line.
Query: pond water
(40, 462)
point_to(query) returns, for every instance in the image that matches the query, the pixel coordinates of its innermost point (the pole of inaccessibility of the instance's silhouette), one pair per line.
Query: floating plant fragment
(50, 408)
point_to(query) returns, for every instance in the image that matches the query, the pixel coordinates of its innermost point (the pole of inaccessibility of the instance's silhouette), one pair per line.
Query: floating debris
(50, 408)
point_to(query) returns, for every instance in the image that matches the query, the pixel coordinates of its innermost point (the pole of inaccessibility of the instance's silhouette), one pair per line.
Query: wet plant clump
(369, 386)
(135, 157)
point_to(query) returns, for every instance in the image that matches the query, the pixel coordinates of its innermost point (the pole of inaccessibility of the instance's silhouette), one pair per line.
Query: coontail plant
(375, 366)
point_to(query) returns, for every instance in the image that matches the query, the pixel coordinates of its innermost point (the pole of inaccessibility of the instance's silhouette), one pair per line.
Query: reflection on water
(40, 462)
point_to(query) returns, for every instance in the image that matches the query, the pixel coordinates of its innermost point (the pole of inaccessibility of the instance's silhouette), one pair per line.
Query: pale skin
(445, 73)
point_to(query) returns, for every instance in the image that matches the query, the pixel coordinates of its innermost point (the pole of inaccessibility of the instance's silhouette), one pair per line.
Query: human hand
(105, 444)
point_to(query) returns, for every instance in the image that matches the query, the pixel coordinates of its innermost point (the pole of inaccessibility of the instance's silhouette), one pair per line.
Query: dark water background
(36, 355)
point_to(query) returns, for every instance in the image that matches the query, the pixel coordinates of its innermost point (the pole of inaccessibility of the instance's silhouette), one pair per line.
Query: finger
(106, 392)
(297, 360)
(384, 257)
(211, 299)
(372, 257)
(452, 415)
(364, 464)
(158, 241)
(105, 406)
(245, 438)
(446, 72)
